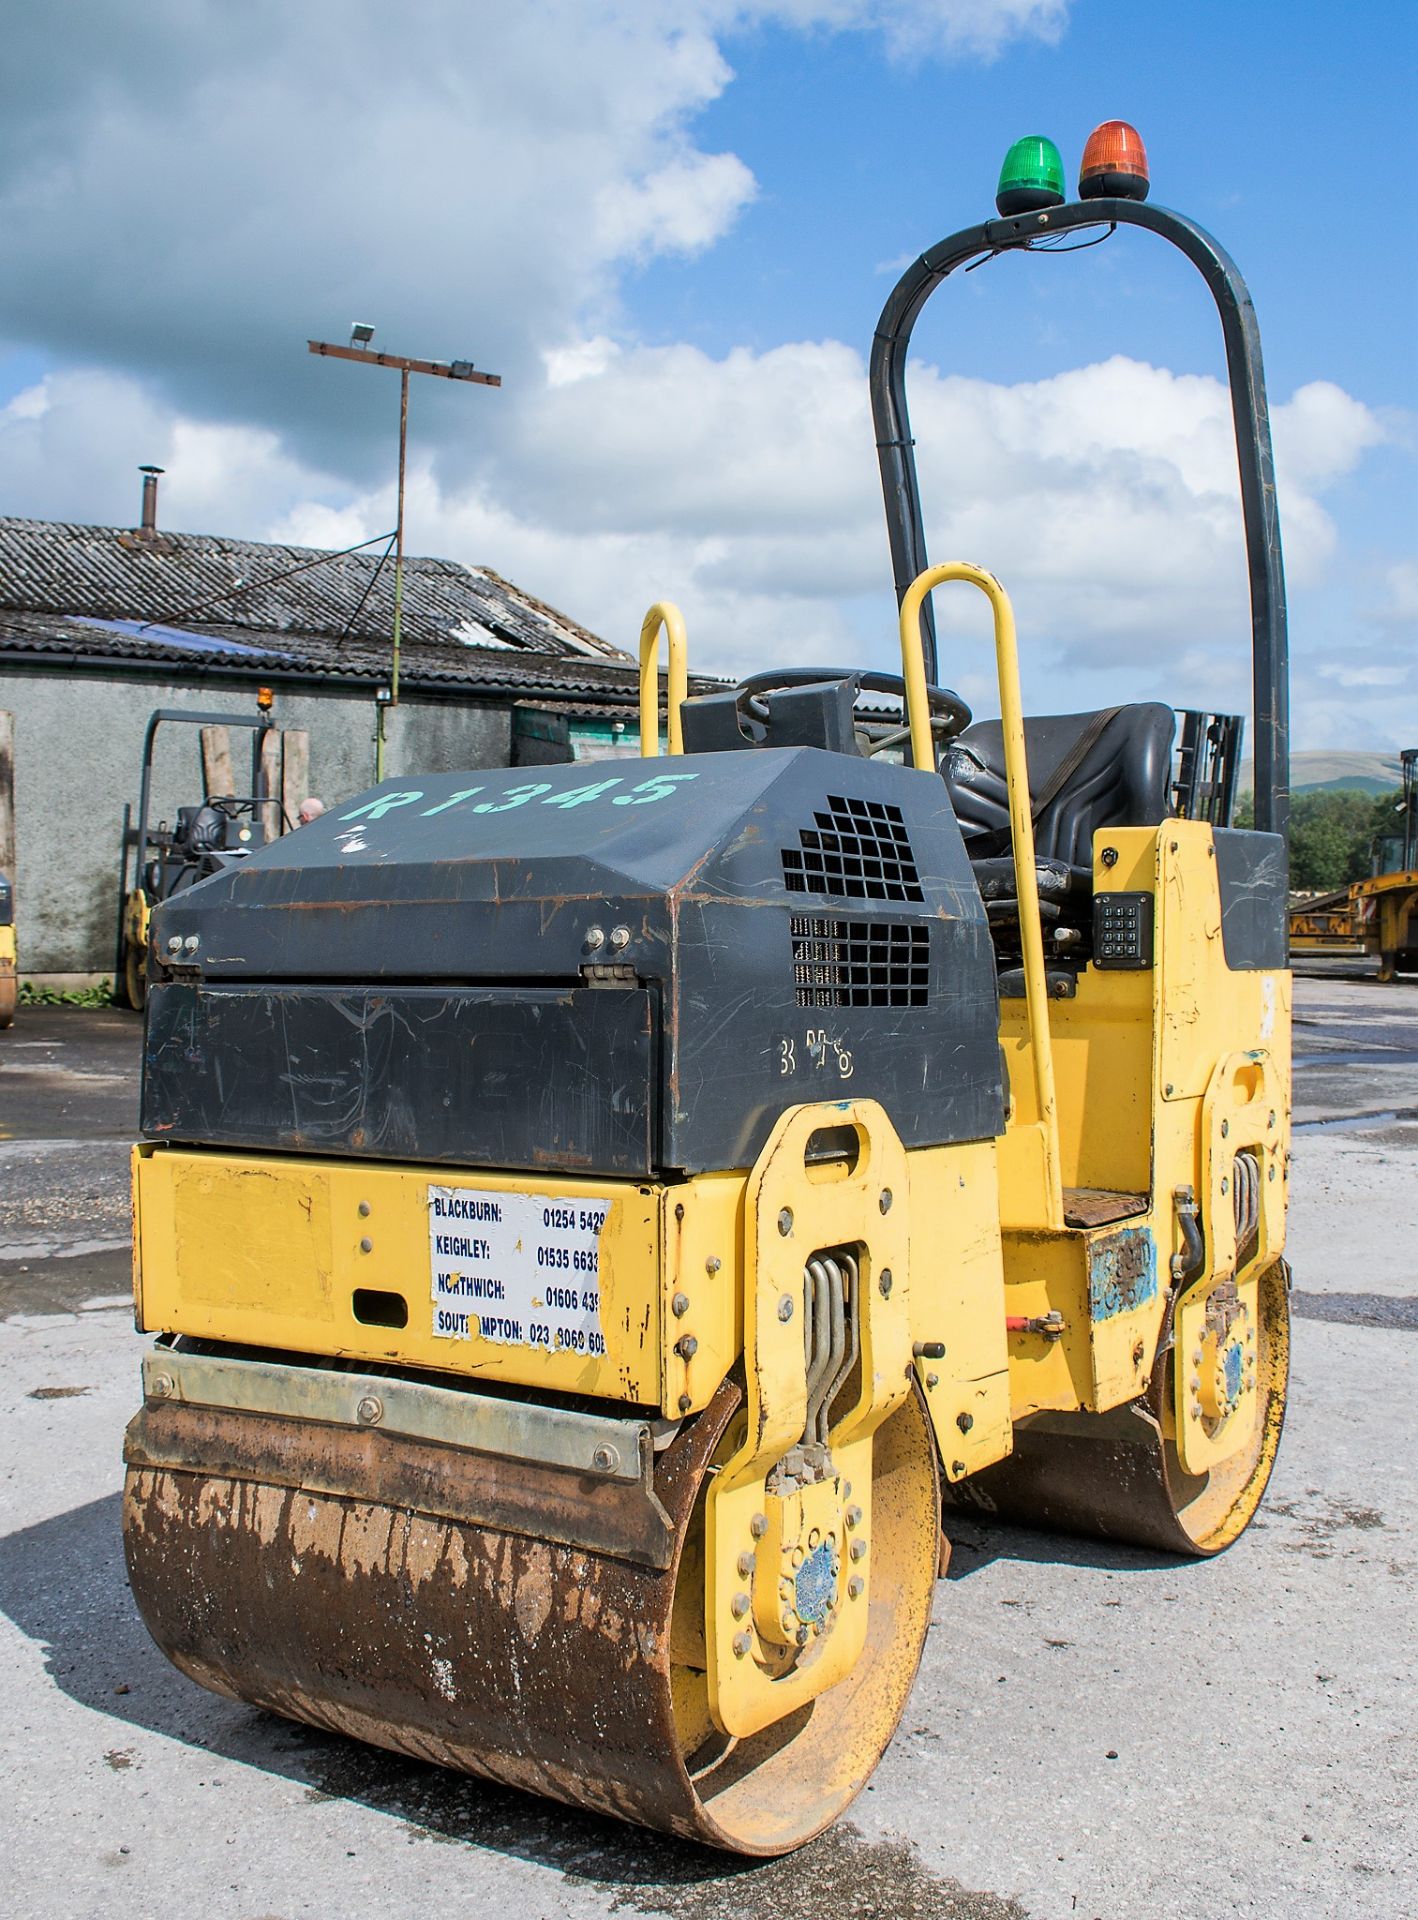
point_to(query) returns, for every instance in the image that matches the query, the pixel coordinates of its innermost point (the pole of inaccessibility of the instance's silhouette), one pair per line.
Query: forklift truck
(157, 862)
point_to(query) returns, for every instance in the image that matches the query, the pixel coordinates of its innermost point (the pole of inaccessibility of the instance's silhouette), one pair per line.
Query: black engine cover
(623, 968)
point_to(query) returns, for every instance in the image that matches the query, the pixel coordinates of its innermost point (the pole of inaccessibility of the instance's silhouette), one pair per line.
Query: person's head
(309, 810)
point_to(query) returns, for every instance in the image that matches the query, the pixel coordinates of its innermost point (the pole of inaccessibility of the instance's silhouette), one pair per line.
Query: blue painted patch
(1122, 1272)
(179, 637)
(816, 1584)
(1231, 1366)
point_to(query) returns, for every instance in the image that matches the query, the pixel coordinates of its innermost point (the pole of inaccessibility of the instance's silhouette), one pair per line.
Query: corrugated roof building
(101, 625)
(258, 593)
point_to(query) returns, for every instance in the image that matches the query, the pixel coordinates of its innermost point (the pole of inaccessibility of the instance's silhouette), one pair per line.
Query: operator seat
(200, 829)
(1087, 771)
(199, 836)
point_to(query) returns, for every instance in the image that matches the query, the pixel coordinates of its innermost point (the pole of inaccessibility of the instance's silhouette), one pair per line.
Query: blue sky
(1265, 124)
(672, 227)
(1255, 116)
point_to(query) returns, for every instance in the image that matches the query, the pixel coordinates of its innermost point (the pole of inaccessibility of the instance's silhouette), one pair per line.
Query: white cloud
(31, 403)
(746, 488)
(1398, 606)
(916, 29)
(181, 202)
(69, 448)
(582, 360)
(1361, 676)
(1323, 433)
(681, 208)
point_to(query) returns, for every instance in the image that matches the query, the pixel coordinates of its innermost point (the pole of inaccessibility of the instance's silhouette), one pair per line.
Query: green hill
(1326, 770)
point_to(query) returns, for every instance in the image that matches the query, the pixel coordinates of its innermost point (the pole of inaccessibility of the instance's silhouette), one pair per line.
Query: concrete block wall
(78, 748)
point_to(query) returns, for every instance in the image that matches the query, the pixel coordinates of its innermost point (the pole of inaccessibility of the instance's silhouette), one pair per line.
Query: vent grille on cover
(858, 850)
(852, 963)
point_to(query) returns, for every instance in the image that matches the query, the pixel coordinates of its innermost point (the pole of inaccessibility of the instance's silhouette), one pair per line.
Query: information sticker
(521, 1269)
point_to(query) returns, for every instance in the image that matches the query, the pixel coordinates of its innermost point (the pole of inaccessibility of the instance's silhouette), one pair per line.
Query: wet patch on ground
(57, 1196)
(842, 1876)
(70, 1070)
(1382, 1120)
(1340, 1056)
(84, 1283)
(1398, 1311)
(1315, 1523)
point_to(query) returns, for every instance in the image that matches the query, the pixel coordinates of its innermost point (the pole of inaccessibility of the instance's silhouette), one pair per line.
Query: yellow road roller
(9, 960)
(596, 1225)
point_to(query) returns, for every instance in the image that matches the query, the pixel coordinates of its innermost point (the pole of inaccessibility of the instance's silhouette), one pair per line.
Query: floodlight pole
(443, 370)
(399, 535)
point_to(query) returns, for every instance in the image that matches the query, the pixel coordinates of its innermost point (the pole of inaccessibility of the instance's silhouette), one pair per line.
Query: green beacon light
(1031, 178)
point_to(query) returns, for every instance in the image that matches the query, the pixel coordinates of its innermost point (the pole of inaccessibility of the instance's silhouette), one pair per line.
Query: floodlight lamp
(361, 333)
(460, 369)
(383, 696)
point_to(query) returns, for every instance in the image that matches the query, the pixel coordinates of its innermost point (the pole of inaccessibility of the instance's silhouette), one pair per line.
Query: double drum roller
(593, 1224)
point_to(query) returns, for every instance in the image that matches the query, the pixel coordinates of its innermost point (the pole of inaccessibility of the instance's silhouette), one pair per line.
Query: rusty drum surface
(1116, 1475)
(543, 1666)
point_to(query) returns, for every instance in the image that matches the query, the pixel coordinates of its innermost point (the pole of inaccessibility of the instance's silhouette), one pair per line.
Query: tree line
(1332, 833)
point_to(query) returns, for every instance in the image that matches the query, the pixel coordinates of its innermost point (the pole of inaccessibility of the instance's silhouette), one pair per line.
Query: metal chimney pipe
(150, 497)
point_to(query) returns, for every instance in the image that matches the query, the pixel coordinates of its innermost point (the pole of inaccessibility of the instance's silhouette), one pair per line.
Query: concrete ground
(1095, 1731)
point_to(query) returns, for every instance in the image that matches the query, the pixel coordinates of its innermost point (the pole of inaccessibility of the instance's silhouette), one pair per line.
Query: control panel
(1122, 930)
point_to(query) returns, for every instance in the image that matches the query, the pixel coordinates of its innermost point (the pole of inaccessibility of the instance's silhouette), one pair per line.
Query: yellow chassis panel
(269, 1251)
(1163, 1076)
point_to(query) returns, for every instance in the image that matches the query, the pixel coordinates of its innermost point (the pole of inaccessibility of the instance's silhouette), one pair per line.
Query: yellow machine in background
(1326, 923)
(1379, 915)
(158, 861)
(594, 1225)
(9, 976)
(1386, 904)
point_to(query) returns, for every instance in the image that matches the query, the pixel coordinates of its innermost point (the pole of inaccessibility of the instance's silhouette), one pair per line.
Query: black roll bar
(1270, 663)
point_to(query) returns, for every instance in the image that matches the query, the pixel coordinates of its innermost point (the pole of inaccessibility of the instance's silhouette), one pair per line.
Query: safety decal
(520, 1269)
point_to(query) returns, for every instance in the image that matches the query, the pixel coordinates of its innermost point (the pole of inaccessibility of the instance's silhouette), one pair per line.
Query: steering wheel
(948, 713)
(241, 806)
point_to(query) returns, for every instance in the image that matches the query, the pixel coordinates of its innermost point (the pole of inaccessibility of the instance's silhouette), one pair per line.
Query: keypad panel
(1122, 930)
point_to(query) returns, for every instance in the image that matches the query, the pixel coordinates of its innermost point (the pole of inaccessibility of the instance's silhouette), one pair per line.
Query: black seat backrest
(1086, 771)
(199, 829)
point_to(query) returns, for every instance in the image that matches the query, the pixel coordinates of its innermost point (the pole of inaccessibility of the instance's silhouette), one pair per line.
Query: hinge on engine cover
(609, 975)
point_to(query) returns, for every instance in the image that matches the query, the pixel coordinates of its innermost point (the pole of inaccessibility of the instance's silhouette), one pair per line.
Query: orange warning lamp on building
(1114, 165)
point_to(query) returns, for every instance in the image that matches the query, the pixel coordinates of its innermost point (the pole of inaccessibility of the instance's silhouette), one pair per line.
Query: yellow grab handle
(664, 614)
(1021, 821)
